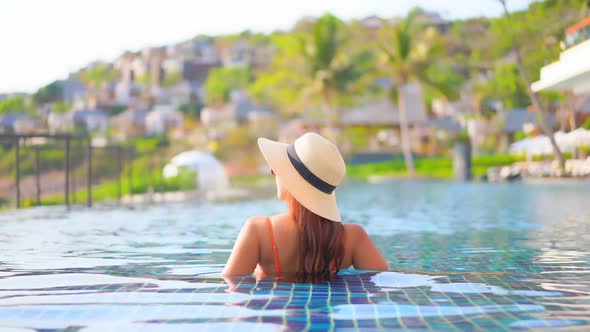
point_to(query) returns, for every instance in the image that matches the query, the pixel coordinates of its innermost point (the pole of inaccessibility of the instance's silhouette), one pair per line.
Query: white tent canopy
(211, 174)
(541, 145)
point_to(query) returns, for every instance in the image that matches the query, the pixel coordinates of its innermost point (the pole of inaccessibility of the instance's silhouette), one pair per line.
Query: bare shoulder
(365, 255)
(355, 231)
(256, 220)
(254, 223)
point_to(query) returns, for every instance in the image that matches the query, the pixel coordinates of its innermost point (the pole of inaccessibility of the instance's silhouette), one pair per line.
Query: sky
(44, 40)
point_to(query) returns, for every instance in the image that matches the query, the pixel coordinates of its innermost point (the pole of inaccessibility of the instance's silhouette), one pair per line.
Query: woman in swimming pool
(309, 239)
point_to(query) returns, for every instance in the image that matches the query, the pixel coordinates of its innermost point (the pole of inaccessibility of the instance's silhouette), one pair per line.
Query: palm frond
(440, 87)
(389, 55)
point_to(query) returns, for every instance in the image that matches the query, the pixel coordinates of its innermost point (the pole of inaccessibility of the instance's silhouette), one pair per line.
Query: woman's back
(310, 239)
(359, 251)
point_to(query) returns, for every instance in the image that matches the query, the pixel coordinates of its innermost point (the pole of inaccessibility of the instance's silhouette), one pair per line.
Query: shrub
(4, 201)
(462, 137)
(520, 135)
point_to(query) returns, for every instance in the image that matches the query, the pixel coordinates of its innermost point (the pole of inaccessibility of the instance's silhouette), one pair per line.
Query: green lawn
(436, 167)
(108, 190)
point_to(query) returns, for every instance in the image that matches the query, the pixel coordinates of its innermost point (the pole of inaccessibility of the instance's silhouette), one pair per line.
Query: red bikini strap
(274, 246)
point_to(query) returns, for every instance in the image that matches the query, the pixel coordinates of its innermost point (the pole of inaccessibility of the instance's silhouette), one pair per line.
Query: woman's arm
(246, 253)
(365, 256)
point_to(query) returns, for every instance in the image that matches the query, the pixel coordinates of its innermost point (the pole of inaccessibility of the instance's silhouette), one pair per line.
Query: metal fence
(36, 160)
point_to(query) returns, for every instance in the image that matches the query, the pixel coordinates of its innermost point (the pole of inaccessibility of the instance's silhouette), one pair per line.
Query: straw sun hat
(310, 169)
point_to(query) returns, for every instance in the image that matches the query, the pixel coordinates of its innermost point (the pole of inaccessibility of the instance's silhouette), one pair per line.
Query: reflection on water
(465, 256)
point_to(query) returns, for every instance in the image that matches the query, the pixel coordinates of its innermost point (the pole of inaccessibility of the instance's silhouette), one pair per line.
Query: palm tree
(543, 115)
(328, 67)
(407, 56)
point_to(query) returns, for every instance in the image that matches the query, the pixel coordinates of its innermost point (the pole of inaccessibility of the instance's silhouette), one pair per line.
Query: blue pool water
(463, 257)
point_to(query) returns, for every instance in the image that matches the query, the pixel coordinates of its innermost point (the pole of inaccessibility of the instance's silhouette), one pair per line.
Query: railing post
(159, 165)
(17, 155)
(89, 183)
(130, 172)
(67, 177)
(119, 171)
(73, 167)
(152, 173)
(37, 175)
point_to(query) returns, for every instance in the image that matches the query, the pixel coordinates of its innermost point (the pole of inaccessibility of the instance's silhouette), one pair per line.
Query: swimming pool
(463, 257)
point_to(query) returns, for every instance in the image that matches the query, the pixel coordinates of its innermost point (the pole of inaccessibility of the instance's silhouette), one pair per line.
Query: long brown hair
(320, 242)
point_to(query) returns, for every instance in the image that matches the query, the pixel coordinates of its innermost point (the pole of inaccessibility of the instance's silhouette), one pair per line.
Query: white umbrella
(539, 145)
(578, 138)
(560, 138)
(519, 147)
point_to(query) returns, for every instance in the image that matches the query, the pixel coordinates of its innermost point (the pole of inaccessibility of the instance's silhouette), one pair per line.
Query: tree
(191, 109)
(506, 85)
(172, 78)
(221, 81)
(16, 104)
(328, 66)
(408, 57)
(53, 92)
(61, 107)
(99, 74)
(280, 84)
(539, 108)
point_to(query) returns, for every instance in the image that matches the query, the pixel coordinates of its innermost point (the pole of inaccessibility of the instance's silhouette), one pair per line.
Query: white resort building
(571, 73)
